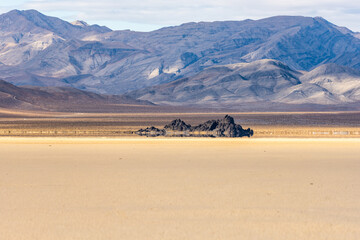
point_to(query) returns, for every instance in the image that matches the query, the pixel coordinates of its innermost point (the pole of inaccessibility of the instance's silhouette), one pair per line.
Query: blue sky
(146, 15)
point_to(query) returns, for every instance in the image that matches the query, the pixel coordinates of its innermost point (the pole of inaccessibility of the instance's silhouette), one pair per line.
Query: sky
(147, 15)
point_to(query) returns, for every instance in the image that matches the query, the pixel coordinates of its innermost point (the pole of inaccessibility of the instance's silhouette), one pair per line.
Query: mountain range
(260, 81)
(282, 59)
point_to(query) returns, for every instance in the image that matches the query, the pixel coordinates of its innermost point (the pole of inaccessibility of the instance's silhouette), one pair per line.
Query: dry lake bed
(108, 188)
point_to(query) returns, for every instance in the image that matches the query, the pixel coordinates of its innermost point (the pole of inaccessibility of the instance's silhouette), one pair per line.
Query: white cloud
(151, 14)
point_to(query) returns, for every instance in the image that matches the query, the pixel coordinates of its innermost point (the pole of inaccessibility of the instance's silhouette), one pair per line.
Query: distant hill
(46, 51)
(261, 82)
(61, 99)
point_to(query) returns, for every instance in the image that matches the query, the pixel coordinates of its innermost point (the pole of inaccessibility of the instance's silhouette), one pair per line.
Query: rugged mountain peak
(12, 13)
(40, 20)
(30, 20)
(80, 23)
(283, 22)
(91, 28)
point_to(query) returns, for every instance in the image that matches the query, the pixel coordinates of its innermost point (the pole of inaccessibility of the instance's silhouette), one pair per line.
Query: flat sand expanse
(58, 188)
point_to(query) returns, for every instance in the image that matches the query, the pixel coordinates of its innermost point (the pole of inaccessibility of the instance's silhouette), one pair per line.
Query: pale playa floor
(179, 189)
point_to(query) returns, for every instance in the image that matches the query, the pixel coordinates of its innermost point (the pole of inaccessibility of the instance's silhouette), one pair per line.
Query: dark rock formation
(177, 125)
(206, 126)
(225, 127)
(151, 132)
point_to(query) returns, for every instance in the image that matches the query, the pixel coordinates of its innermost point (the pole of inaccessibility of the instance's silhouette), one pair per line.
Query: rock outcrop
(177, 125)
(151, 132)
(225, 127)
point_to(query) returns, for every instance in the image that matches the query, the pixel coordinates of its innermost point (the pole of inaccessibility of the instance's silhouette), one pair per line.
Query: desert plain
(61, 184)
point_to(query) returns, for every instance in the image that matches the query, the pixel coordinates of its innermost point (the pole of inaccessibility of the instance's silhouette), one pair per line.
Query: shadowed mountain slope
(58, 98)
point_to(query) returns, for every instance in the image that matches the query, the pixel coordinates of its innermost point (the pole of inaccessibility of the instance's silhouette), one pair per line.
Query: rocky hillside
(262, 81)
(59, 98)
(39, 50)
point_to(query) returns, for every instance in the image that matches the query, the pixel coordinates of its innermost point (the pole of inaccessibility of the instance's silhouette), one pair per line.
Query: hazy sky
(145, 15)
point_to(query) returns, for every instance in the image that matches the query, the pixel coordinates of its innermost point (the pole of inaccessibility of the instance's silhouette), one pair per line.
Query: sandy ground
(58, 188)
